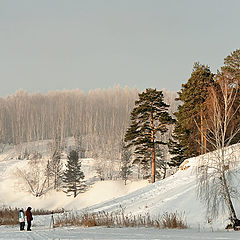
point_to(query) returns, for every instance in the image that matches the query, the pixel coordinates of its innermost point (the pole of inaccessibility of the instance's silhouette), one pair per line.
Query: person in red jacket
(29, 218)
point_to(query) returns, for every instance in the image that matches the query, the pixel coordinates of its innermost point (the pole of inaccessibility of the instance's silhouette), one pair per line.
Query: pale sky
(47, 45)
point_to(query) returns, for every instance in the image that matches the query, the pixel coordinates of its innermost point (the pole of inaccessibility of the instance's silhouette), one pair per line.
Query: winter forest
(99, 118)
(130, 134)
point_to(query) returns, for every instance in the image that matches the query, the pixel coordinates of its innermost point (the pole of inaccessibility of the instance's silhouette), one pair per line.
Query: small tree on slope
(126, 163)
(73, 176)
(149, 118)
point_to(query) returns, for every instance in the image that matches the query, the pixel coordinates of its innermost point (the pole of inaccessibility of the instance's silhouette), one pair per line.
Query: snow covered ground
(115, 234)
(13, 189)
(176, 193)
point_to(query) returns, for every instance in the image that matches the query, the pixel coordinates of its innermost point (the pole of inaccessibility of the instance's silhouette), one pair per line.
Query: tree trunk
(205, 140)
(228, 201)
(153, 151)
(201, 132)
(153, 163)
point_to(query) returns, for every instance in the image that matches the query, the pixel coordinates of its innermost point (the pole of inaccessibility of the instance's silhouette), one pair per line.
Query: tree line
(196, 117)
(97, 120)
(207, 120)
(30, 117)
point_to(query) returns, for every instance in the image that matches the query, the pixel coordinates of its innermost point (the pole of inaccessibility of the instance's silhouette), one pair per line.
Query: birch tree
(217, 174)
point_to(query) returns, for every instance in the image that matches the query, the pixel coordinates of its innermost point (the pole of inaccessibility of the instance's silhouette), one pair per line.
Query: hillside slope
(14, 192)
(176, 193)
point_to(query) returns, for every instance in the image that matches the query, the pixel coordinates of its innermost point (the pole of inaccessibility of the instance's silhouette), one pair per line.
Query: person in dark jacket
(21, 219)
(29, 218)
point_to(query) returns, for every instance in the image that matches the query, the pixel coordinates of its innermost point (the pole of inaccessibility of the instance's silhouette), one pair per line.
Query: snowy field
(176, 193)
(13, 190)
(115, 234)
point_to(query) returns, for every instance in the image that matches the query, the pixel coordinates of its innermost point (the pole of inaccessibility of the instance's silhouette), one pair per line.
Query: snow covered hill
(176, 193)
(13, 192)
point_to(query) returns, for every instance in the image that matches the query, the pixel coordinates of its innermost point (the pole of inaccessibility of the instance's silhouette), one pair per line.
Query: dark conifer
(232, 63)
(149, 118)
(190, 113)
(73, 175)
(176, 150)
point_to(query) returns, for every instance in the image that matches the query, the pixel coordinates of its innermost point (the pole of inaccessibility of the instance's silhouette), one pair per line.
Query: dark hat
(29, 208)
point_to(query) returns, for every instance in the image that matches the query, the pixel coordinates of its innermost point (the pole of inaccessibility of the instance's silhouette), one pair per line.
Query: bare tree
(126, 168)
(33, 178)
(217, 171)
(54, 167)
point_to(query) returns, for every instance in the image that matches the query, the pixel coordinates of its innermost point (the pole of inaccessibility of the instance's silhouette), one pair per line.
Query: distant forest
(100, 117)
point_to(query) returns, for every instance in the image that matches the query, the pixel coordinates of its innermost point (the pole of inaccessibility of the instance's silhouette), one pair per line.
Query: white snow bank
(14, 194)
(176, 193)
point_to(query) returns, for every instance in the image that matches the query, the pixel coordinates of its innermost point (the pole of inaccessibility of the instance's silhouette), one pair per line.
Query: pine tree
(232, 64)
(161, 162)
(190, 113)
(149, 119)
(177, 151)
(73, 176)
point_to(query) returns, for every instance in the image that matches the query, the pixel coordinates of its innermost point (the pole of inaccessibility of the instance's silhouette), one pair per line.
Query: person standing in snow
(21, 219)
(29, 218)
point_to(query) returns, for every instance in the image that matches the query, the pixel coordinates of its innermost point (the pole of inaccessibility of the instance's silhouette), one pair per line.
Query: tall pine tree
(73, 175)
(232, 64)
(188, 139)
(149, 119)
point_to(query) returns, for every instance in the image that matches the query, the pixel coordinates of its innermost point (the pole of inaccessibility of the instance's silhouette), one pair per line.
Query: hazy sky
(66, 44)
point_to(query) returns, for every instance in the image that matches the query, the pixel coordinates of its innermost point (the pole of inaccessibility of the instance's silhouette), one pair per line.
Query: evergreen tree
(176, 150)
(232, 64)
(161, 162)
(149, 119)
(73, 176)
(189, 139)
